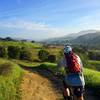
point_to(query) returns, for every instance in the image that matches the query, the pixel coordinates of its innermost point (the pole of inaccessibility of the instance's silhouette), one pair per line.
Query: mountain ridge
(89, 38)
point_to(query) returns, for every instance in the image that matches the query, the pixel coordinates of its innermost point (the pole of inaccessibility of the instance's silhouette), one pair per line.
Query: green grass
(20, 44)
(92, 79)
(26, 63)
(95, 50)
(95, 64)
(9, 84)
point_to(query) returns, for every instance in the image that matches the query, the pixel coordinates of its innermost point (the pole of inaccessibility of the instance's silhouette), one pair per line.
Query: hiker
(74, 78)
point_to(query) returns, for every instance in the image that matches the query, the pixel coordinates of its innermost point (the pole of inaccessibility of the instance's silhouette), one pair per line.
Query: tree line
(23, 53)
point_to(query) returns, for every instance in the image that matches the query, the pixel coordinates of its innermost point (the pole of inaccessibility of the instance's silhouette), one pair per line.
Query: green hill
(10, 76)
(21, 44)
(90, 40)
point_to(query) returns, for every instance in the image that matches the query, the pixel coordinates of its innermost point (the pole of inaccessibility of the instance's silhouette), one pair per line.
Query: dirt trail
(37, 87)
(39, 84)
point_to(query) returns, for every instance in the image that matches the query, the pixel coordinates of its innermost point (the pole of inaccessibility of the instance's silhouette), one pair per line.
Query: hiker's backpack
(72, 63)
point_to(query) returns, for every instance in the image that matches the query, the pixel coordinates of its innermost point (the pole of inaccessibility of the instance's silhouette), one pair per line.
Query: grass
(92, 79)
(95, 50)
(95, 64)
(21, 44)
(9, 86)
(26, 63)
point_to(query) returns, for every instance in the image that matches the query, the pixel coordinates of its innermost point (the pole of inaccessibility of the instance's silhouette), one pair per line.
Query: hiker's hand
(57, 74)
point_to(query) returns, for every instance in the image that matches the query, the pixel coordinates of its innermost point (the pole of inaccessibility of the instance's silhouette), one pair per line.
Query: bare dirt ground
(39, 84)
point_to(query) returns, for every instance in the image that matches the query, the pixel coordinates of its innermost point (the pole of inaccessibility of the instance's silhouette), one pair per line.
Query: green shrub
(52, 58)
(80, 49)
(3, 52)
(25, 54)
(94, 55)
(14, 52)
(43, 55)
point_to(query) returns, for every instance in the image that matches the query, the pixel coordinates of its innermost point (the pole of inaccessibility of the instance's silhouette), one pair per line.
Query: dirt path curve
(38, 87)
(39, 84)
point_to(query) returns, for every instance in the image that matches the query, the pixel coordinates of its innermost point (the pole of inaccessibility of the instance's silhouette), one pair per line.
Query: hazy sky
(40, 19)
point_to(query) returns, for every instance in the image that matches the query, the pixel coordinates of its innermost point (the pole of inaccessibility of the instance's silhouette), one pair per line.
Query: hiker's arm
(80, 62)
(60, 64)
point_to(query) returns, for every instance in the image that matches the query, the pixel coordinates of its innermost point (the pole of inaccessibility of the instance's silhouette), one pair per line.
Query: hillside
(10, 78)
(90, 38)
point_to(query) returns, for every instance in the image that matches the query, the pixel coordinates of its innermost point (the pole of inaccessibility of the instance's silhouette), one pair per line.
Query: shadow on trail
(46, 73)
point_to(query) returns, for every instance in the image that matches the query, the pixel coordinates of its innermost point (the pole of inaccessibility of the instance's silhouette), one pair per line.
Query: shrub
(3, 52)
(43, 55)
(5, 68)
(25, 54)
(14, 52)
(78, 49)
(94, 55)
(52, 58)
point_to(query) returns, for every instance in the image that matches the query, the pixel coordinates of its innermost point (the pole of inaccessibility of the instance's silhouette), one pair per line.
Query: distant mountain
(16, 39)
(59, 40)
(7, 39)
(90, 38)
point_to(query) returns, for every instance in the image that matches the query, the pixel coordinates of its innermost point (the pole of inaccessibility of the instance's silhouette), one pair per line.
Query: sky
(42, 19)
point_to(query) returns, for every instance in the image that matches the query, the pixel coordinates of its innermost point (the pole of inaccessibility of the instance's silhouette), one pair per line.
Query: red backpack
(72, 63)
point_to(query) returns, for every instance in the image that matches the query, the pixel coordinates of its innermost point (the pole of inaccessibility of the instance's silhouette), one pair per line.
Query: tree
(3, 52)
(25, 54)
(32, 41)
(14, 52)
(43, 55)
(52, 58)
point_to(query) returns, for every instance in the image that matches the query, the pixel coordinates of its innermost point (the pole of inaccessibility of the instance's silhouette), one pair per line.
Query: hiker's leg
(78, 92)
(66, 92)
(80, 98)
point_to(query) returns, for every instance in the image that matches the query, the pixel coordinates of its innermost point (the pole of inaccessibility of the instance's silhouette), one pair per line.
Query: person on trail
(74, 78)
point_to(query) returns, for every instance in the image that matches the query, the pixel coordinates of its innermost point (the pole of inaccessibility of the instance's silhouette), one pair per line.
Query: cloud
(31, 30)
(86, 22)
(24, 25)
